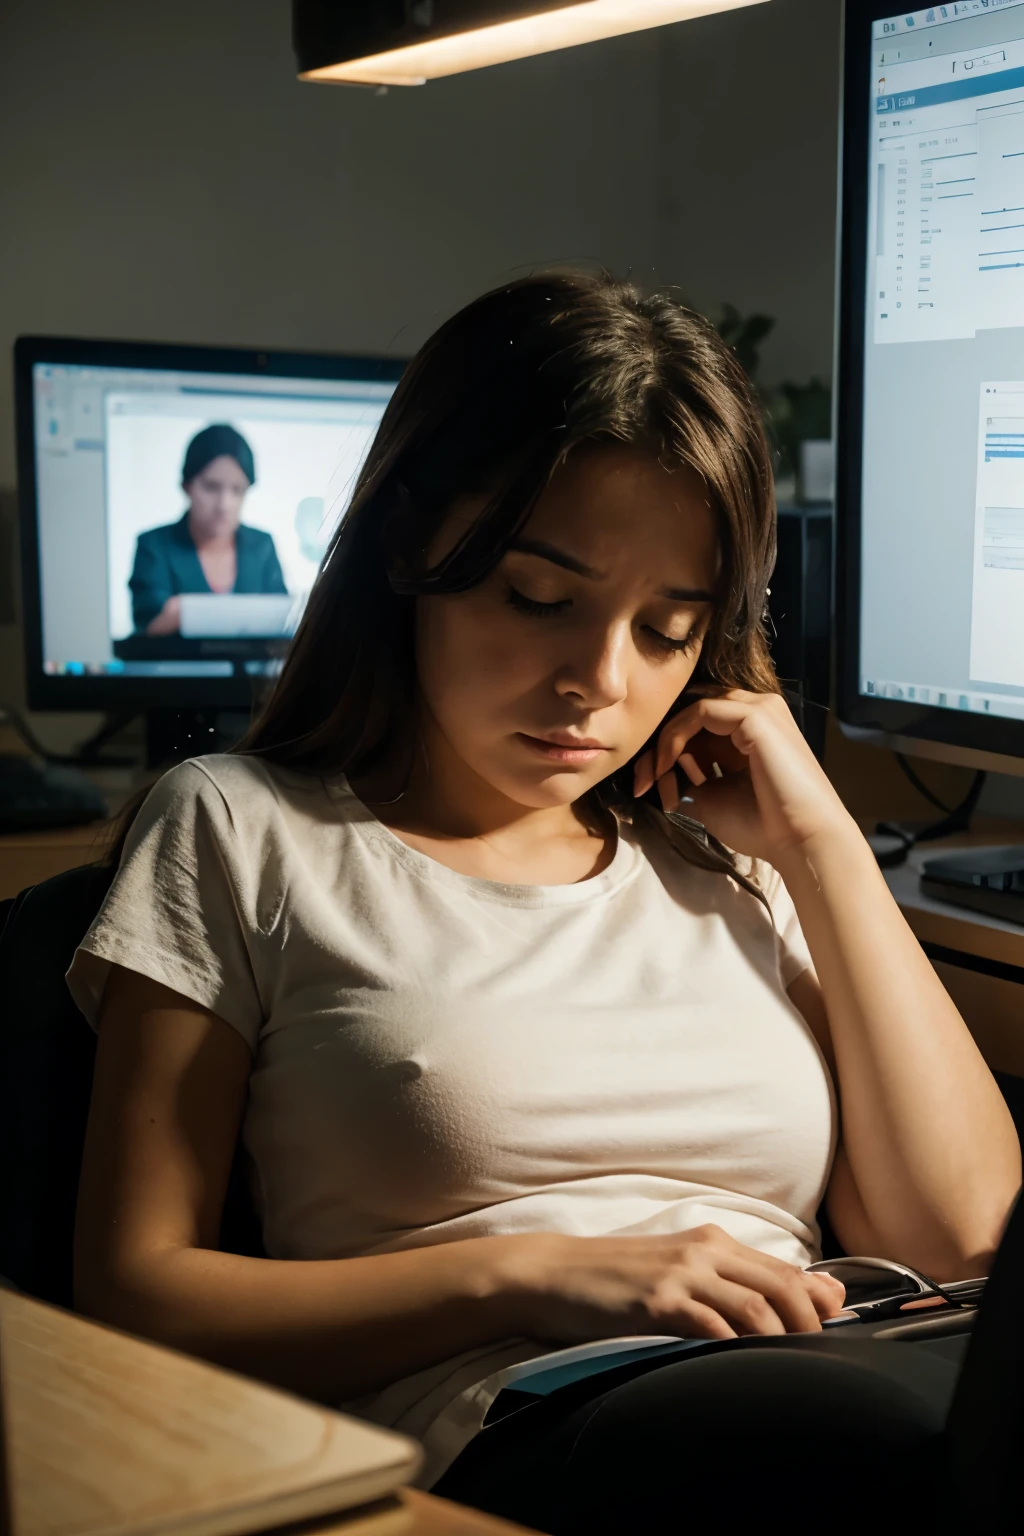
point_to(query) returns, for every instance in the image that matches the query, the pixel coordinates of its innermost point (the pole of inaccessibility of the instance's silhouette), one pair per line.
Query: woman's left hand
(772, 794)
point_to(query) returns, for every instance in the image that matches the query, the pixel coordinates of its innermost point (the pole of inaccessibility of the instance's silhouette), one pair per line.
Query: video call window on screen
(182, 517)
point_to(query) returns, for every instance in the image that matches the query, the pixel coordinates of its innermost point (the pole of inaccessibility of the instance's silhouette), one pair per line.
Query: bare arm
(168, 620)
(167, 1103)
(929, 1162)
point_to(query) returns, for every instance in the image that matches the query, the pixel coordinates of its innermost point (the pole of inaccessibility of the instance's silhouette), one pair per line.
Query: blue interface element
(958, 90)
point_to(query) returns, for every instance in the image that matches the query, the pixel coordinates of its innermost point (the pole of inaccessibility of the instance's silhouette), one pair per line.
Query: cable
(88, 754)
(921, 786)
(956, 819)
(21, 728)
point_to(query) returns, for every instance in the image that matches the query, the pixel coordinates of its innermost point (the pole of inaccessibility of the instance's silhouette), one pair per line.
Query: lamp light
(408, 42)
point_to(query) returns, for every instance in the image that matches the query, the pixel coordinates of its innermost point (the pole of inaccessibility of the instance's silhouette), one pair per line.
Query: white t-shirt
(438, 1056)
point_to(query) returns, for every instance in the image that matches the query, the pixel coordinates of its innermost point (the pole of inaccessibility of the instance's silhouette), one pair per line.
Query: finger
(668, 790)
(643, 774)
(693, 770)
(828, 1297)
(785, 1290)
(717, 749)
(644, 777)
(718, 691)
(740, 1263)
(744, 1307)
(719, 717)
(697, 764)
(792, 1291)
(697, 1321)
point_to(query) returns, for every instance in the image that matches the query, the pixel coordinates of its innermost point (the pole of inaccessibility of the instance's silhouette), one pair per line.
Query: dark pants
(810, 1430)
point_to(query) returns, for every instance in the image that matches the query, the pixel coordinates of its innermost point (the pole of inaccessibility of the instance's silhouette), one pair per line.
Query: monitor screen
(936, 288)
(181, 512)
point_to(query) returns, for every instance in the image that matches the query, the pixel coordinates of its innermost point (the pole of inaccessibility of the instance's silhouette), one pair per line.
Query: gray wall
(164, 176)
(748, 153)
(172, 179)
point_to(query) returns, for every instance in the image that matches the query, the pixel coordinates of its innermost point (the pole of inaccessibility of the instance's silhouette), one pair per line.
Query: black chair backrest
(985, 1426)
(47, 1051)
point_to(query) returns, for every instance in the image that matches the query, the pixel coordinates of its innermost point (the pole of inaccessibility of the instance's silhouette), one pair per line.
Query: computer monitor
(930, 423)
(135, 463)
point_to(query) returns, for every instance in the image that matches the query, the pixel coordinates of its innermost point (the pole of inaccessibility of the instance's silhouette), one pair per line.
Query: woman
(208, 549)
(519, 1061)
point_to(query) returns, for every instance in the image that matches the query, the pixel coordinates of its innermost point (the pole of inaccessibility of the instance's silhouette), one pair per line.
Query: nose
(596, 672)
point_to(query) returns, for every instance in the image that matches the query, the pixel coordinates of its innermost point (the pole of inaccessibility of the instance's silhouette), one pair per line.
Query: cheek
(470, 648)
(654, 690)
(661, 695)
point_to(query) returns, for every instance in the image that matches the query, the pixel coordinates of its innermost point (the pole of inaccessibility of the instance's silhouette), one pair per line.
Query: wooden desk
(108, 1435)
(26, 858)
(980, 959)
(957, 928)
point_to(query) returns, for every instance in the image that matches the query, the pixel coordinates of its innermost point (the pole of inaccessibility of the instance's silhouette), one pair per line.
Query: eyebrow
(570, 563)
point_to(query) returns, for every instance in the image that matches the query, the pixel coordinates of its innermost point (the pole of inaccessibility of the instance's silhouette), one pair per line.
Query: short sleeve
(791, 946)
(176, 910)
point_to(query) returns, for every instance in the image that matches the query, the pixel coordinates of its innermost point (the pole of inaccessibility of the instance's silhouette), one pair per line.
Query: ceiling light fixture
(408, 42)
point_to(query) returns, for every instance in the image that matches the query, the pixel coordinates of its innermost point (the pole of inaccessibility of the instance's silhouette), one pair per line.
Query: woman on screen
(208, 549)
(551, 987)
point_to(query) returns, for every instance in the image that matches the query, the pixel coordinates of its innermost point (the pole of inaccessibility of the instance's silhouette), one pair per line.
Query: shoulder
(162, 537)
(759, 872)
(177, 799)
(662, 850)
(769, 882)
(243, 785)
(223, 785)
(155, 541)
(243, 806)
(698, 885)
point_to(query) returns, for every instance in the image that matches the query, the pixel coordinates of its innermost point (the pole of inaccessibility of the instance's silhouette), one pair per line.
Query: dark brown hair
(494, 402)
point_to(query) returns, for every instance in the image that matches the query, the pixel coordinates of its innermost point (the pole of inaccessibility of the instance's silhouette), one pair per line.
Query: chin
(549, 787)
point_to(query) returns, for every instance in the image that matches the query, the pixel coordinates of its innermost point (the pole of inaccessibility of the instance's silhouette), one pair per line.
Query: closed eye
(523, 604)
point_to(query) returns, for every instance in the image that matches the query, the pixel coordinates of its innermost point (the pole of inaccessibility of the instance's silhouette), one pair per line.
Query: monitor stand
(172, 735)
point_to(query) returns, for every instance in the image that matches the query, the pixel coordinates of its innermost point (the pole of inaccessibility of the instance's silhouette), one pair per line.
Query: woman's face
(629, 563)
(215, 498)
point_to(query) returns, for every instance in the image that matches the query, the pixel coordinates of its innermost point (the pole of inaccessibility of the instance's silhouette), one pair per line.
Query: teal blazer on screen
(167, 563)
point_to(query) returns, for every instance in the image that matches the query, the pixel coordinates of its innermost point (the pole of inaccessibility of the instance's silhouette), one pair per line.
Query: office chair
(47, 1052)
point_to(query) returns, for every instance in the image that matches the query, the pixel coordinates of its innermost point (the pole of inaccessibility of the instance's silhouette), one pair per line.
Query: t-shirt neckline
(623, 867)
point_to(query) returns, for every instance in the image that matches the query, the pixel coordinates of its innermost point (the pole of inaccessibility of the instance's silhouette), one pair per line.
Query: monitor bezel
(951, 729)
(130, 694)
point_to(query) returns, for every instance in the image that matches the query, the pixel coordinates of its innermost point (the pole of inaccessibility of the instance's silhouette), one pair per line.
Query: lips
(574, 743)
(575, 754)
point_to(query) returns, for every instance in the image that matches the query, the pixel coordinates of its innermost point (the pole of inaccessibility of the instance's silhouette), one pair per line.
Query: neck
(219, 543)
